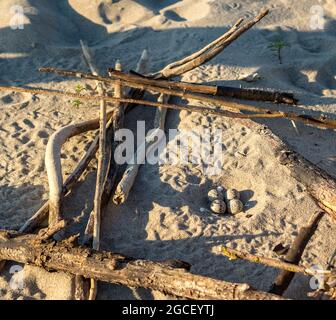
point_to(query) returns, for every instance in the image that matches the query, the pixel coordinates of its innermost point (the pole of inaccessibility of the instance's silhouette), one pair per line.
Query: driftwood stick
(220, 91)
(207, 55)
(322, 122)
(211, 45)
(37, 219)
(127, 181)
(183, 91)
(102, 174)
(113, 168)
(104, 154)
(233, 254)
(53, 164)
(294, 254)
(118, 269)
(135, 81)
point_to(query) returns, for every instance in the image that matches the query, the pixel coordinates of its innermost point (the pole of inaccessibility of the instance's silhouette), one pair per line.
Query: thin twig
(233, 254)
(102, 156)
(322, 122)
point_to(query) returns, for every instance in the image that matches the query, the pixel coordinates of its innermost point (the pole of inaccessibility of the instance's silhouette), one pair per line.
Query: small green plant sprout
(79, 88)
(277, 45)
(76, 103)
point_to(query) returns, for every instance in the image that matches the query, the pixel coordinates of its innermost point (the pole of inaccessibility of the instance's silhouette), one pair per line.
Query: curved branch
(53, 163)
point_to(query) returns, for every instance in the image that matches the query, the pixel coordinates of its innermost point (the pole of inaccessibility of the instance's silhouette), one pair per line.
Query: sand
(162, 217)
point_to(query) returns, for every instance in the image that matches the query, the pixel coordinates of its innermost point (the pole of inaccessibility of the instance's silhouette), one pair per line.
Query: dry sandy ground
(162, 217)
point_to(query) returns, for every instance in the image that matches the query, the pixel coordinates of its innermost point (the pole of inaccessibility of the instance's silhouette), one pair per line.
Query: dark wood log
(119, 269)
(294, 254)
(223, 91)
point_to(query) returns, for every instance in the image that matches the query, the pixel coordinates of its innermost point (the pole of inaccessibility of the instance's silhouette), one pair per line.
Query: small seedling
(277, 46)
(79, 88)
(76, 103)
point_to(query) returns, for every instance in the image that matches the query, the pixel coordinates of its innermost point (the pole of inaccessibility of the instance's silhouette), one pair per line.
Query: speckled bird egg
(218, 206)
(232, 194)
(214, 194)
(235, 206)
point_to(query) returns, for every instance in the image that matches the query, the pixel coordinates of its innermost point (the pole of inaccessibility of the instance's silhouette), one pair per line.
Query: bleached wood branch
(208, 47)
(209, 52)
(142, 66)
(53, 164)
(101, 170)
(129, 176)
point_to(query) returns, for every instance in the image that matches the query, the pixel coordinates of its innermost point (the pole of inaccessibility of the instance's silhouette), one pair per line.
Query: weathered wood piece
(112, 170)
(221, 91)
(136, 82)
(46, 233)
(210, 51)
(101, 169)
(320, 185)
(233, 254)
(53, 164)
(128, 179)
(37, 219)
(295, 252)
(321, 122)
(115, 268)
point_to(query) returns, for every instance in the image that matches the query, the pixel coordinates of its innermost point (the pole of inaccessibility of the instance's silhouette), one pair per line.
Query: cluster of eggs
(225, 200)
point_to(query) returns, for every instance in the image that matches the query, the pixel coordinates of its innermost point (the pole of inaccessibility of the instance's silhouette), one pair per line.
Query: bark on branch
(118, 269)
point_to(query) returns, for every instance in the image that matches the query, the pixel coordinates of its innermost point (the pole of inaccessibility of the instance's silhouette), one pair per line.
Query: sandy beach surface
(162, 218)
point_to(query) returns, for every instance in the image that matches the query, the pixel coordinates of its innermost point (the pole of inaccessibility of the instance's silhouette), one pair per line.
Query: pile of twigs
(84, 263)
